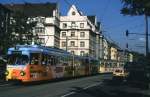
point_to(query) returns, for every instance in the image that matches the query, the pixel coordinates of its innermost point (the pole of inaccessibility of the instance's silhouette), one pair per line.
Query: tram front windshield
(18, 59)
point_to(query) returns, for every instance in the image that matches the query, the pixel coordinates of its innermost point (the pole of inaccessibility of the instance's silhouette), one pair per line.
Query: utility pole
(146, 35)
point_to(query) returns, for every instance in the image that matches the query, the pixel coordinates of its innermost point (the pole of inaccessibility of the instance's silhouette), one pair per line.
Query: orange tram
(29, 63)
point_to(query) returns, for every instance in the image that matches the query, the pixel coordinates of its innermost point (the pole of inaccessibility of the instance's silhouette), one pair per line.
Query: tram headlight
(7, 72)
(22, 73)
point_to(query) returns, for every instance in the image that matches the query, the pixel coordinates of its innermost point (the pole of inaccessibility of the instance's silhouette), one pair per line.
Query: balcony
(51, 21)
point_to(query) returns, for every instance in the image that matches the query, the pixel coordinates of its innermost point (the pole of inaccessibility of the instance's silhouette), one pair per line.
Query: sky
(107, 12)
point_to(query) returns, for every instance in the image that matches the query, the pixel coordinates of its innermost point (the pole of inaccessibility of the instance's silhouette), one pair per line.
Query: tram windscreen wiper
(18, 59)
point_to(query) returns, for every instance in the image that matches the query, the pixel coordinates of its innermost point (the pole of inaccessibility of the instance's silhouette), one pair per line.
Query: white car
(120, 73)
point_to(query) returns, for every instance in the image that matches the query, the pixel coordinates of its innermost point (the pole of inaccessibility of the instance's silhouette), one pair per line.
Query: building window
(63, 34)
(82, 53)
(72, 34)
(82, 44)
(72, 43)
(42, 20)
(39, 19)
(73, 13)
(82, 34)
(63, 44)
(81, 25)
(64, 25)
(41, 40)
(39, 30)
(72, 52)
(73, 24)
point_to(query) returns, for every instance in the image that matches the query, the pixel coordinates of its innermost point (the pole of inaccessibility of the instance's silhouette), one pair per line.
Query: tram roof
(37, 48)
(48, 50)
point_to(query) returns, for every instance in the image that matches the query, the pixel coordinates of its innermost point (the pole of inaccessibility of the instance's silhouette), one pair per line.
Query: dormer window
(73, 13)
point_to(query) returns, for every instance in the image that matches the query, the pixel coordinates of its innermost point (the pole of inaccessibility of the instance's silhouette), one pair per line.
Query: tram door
(35, 72)
(39, 68)
(46, 62)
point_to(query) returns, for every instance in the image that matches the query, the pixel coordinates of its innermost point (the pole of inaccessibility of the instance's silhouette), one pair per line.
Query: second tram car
(29, 63)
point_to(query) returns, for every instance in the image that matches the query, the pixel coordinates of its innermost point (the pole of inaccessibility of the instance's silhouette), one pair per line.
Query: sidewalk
(146, 92)
(137, 90)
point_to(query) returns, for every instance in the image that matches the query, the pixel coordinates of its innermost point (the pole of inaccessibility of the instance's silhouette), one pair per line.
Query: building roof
(34, 9)
(92, 19)
(115, 46)
(98, 25)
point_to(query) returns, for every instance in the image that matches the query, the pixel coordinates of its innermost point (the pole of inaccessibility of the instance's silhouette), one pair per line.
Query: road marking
(92, 85)
(70, 93)
(4, 85)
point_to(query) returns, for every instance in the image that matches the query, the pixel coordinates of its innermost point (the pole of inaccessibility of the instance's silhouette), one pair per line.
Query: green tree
(138, 8)
(21, 28)
(4, 31)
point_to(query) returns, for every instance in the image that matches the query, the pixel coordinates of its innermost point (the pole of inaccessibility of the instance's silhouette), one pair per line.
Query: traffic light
(126, 45)
(127, 33)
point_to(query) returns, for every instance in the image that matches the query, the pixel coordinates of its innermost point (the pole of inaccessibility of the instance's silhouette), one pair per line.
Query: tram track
(8, 84)
(9, 87)
(1, 85)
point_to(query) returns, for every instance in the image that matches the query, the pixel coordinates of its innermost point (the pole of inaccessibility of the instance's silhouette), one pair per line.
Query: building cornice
(50, 24)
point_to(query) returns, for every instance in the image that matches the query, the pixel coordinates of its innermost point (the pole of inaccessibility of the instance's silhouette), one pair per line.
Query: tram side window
(69, 61)
(87, 61)
(64, 61)
(51, 60)
(35, 58)
(61, 60)
(44, 59)
(55, 61)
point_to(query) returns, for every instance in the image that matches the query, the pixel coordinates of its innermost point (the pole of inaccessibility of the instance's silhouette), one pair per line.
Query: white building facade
(78, 33)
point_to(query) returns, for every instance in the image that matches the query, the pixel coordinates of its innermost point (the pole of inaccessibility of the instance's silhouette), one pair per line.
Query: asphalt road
(52, 89)
(94, 86)
(110, 88)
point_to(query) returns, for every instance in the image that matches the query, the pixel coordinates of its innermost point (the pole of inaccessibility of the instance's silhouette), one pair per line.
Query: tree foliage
(136, 7)
(19, 31)
(5, 33)
(21, 28)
